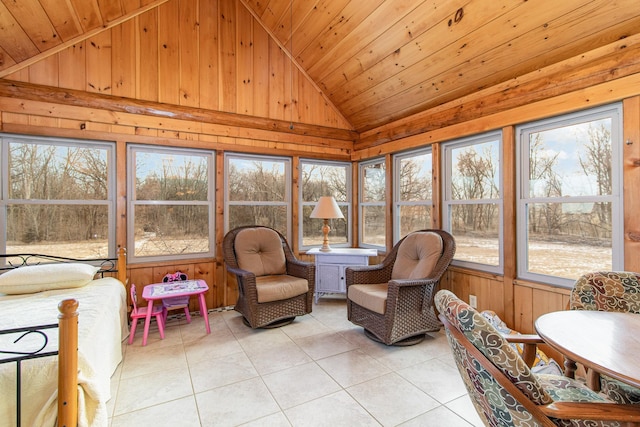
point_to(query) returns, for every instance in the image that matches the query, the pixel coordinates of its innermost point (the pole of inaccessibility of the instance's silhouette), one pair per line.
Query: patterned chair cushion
(542, 364)
(609, 291)
(494, 404)
(563, 389)
(490, 342)
(618, 391)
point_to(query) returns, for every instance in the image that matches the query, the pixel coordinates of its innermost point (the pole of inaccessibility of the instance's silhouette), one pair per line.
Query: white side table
(330, 266)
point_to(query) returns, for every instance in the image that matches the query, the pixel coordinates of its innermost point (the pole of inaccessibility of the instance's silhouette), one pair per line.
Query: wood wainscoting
(206, 269)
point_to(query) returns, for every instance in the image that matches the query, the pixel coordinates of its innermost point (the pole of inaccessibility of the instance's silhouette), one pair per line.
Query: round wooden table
(607, 342)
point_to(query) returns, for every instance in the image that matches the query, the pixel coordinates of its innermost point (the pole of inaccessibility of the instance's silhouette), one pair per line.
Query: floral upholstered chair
(609, 291)
(502, 387)
(273, 285)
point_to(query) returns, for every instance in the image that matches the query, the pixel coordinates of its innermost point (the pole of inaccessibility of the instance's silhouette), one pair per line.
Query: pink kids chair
(175, 303)
(141, 313)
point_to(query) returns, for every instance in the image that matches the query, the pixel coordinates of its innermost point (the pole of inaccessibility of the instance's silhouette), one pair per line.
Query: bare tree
(597, 162)
(413, 186)
(56, 173)
(544, 182)
(476, 180)
(257, 184)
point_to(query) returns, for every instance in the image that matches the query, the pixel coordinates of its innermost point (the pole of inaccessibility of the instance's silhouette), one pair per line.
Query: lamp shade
(327, 208)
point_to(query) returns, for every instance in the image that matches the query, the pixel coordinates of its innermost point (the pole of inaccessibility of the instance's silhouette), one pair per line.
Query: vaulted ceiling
(377, 60)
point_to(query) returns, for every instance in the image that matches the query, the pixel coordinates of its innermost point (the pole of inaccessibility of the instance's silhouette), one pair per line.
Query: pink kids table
(158, 291)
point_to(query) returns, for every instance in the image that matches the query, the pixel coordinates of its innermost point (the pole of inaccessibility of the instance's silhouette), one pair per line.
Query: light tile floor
(318, 371)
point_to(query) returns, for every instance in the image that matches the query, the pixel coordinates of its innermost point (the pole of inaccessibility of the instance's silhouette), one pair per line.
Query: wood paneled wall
(231, 91)
(184, 53)
(520, 302)
(178, 75)
(606, 75)
(516, 301)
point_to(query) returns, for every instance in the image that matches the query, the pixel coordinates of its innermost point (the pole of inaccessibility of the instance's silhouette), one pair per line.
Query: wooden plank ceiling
(376, 60)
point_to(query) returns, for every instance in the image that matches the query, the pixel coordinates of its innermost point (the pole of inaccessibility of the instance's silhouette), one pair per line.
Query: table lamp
(326, 209)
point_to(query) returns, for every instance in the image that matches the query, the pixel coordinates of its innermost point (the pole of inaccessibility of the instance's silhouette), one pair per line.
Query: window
(258, 192)
(319, 179)
(569, 209)
(372, 203)
(413, 192)
(58, 197)
(171, 203)
(472, 200)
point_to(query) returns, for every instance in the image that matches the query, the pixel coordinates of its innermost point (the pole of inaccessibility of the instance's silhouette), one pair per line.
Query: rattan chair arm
(298, 268)
(239, 272)
(303, 270)
(368, 274)
(397, 284)
(412, 282)
(246, 280)
(601, 411)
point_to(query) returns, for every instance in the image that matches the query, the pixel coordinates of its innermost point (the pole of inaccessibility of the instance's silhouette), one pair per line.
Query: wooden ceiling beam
(77, 98)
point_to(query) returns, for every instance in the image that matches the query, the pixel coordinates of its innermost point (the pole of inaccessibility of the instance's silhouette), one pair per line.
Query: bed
(101, 326)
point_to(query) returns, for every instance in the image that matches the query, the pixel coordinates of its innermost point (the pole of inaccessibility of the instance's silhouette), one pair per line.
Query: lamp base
(325, 241)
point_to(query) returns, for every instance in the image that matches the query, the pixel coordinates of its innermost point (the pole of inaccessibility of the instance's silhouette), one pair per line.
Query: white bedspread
(102, 322)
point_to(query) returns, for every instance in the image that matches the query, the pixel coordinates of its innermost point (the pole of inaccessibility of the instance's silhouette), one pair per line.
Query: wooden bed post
(68, 363)
(122, 265)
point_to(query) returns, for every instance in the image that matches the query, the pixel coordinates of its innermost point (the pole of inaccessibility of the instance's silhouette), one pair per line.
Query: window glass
(59, 197)
(570, 207)
(374, 182)
(258, 192)
(171, 176)
(324, 179)
(373, 231)
(474, 171)
(572, 160)
(257, 180)
(472, 204)
(372, 203)
(568, 239)
(171, 211)
(413, 192)
(476, 227)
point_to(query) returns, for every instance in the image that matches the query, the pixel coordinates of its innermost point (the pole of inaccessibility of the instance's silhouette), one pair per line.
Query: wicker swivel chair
(503, 389)
(608, 291)
(273, 286)
(393, 301)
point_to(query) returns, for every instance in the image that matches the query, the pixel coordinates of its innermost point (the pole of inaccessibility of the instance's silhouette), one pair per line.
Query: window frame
(448, 201)
(110, 201)
(132, 202)
(613, 111)
(348, 203)
(288, 187)
(397, 203)
(362, 204)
